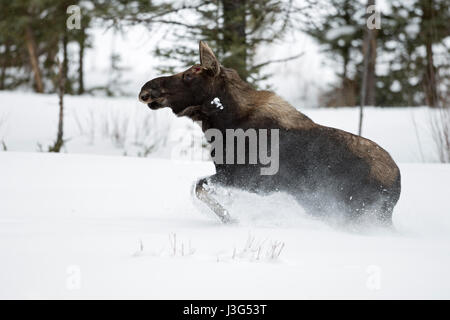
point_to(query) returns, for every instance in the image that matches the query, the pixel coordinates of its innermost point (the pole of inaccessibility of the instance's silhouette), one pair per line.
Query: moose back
(328, 171)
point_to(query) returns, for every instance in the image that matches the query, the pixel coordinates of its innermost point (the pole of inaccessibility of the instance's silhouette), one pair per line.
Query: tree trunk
(234, 43)
(348, 88)
(65, 66)
(431, 91)
(431, 94)
(369, 55)
(371, 47)
(2, 78)
(345, 66)
(60, 135)
(4, 67)
(32, 53)
(81, 62)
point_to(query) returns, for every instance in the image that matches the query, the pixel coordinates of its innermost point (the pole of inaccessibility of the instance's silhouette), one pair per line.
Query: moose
(327, 170)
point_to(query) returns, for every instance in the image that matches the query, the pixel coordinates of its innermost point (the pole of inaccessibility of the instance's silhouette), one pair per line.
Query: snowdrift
(78, 226)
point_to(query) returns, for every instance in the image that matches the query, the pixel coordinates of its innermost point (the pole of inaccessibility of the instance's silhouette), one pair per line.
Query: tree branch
(278, 61)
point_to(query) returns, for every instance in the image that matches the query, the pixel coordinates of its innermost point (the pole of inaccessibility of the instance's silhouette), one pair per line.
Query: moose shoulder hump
(266, 104)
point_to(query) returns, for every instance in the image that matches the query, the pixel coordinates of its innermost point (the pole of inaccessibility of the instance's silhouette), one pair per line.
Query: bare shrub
(136, 133)
(190, 143)
(257, 250)
(2, 124)
(440, 117)
(115, 127)
(2, 120)
(140, 250)
(341, 95)
(61, 80)
(179, 247)
(87, 125)
(149, 135)
(440, 126)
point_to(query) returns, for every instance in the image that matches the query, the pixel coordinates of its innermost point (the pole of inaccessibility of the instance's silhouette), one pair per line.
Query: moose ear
(208, 60)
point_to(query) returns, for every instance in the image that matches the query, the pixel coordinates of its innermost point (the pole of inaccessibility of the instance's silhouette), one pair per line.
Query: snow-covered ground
(74, 225)
(78, 226)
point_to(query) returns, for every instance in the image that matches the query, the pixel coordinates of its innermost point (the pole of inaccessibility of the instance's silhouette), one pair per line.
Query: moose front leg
(203, 192)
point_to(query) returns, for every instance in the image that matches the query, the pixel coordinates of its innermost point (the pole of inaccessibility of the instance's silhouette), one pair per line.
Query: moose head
(194, 86)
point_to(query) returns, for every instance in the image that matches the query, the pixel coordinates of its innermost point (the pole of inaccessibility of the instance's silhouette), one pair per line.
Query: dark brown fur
(326, 169)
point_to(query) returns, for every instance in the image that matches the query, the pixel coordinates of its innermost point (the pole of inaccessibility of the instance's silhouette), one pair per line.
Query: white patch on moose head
(217, 102)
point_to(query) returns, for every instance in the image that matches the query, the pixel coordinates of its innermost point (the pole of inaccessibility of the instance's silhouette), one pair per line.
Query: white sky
(297, 81)
(290, 79)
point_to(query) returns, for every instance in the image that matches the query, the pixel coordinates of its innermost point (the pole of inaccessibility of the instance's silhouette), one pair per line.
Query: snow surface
(74, 225)
(78, 226)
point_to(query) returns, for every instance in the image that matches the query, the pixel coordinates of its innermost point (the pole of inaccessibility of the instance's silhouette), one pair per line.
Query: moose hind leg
(203, 192)
(385, 214)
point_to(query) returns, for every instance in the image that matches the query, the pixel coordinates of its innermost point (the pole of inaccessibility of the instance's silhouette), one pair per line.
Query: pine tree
(14, 56)
(32, 34)
(340, 32)
(234, 29)
(412, 31)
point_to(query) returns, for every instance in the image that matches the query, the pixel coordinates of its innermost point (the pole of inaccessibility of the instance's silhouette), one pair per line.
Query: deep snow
(74, 225)
(79, 226)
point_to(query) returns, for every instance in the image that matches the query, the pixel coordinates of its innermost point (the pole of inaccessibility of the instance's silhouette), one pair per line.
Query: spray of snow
(216, 101)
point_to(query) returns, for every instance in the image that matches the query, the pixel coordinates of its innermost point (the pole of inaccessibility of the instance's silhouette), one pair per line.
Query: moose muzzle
(151, 94)
(147, 95)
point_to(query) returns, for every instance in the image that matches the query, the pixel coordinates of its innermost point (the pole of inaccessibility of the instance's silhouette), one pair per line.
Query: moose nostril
(145, 96)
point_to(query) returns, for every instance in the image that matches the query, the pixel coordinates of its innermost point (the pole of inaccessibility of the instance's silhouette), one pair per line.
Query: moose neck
(235, 97)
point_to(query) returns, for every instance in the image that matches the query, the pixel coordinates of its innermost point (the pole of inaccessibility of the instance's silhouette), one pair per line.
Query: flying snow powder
(217, 102)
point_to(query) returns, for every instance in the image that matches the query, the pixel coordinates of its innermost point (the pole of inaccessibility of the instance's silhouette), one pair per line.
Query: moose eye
(187, 77)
